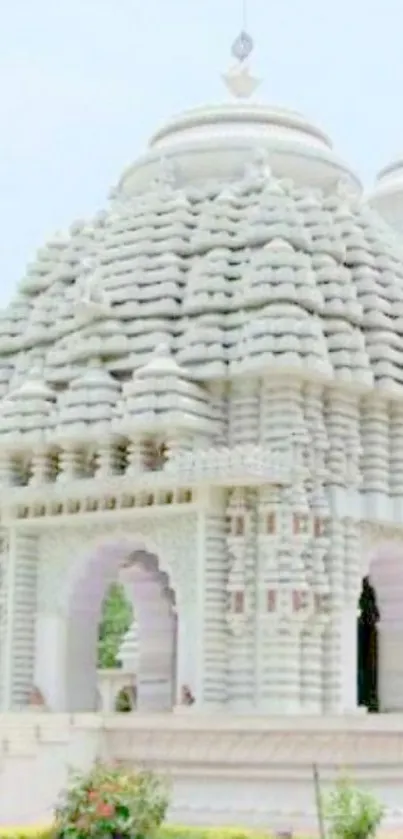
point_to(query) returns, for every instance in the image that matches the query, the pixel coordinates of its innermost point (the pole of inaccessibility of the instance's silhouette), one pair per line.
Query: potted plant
(112, 802)
(352, 813)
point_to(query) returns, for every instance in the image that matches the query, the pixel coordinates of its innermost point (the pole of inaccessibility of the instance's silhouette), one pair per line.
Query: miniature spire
(238, 78)
(91, 302)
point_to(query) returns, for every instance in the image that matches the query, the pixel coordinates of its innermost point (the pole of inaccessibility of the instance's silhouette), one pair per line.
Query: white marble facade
(202, 390)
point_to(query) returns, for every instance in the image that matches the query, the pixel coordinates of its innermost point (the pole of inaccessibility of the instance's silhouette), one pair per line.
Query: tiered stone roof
(25, 415)
(86, 408)
(160, 396)
(255, 274)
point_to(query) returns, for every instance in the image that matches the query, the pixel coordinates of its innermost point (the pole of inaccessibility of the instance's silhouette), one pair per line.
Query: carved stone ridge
(258, 748)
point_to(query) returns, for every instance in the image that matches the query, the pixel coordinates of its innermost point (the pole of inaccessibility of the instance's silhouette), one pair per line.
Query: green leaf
(116, 619)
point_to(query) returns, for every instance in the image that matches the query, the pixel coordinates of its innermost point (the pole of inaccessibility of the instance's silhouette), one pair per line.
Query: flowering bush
(111, 802)
(352, 813)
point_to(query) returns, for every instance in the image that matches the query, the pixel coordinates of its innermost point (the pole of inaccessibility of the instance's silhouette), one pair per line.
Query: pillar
(20, 621)
(375, 445)
(212, 630)
(241, 599)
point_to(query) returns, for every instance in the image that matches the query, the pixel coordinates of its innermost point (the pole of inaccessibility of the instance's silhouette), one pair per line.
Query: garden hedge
(166, 832)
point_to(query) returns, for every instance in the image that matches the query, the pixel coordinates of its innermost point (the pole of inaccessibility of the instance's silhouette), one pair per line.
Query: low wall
(223, 769)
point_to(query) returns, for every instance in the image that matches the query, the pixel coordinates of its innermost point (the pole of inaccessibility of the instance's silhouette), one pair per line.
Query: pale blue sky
(84, 82)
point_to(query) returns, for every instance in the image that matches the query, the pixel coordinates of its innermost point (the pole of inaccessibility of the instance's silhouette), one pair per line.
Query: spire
(238, 79)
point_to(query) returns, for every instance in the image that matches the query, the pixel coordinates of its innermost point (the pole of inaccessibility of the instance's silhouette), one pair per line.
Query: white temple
(202, 396)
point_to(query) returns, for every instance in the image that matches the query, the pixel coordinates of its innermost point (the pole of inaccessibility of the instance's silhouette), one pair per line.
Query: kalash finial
(238, 79)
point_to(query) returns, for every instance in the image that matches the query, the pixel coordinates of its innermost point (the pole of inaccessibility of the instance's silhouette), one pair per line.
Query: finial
(238, 78)
(91, 302)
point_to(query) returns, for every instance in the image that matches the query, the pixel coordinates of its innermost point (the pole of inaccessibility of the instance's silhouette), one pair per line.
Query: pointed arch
(384, 564)
(153, 598)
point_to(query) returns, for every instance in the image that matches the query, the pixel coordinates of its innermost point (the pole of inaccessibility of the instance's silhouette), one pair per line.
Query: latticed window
(238, 526)
(299, 600)
(271, 523)
(271, 602)
(319, 527)
(300, 524)
(238, 602)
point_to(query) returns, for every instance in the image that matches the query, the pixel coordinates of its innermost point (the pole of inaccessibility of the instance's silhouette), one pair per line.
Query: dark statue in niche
(367, 665)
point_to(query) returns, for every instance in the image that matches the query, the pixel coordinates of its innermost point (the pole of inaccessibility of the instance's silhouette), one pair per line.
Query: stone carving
(61, 564)
(231, 337)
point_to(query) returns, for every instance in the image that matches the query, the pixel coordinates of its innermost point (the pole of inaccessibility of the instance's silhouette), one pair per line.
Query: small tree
(352, 813)
(117, 616)
(111, 802)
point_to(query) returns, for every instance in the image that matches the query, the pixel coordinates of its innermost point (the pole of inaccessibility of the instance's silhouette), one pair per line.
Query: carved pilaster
(396, 449)
(343, 432)
(21, 595)
(281, 411)
(241, 546)
(4, 552)
(243, 427)
(215, 632)
(332, 638)
(375, 444)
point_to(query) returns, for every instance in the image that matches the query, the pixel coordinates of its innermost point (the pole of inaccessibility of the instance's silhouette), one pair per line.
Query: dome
(215, 142)
(263, 259)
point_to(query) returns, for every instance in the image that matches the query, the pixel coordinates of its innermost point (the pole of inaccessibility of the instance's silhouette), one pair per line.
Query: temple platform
(224, 769)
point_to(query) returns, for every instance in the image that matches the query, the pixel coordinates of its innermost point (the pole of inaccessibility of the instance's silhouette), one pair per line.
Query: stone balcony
(243, 466)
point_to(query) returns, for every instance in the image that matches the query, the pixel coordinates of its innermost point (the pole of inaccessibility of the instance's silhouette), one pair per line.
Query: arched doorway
(385, 590)
(153, 601)
(367, 648)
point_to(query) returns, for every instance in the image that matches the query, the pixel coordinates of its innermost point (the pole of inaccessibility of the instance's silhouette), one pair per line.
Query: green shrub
(166, 831)
(111, 801)
(352, 813)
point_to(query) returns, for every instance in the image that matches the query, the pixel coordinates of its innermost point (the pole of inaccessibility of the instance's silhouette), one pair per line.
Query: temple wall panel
(215, 631)
(69, 556)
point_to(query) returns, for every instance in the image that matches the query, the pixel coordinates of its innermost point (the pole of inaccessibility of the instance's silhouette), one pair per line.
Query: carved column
(241, 544)
(21, 594)
(4, 552)
(243, 420)
(375, 445)
(209, 643)
(333, 634)
(343, 433)
(281, 411)
(396, 450)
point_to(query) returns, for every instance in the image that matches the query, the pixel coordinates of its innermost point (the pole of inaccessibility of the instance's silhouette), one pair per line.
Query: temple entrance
(368, 648)
(153, 602)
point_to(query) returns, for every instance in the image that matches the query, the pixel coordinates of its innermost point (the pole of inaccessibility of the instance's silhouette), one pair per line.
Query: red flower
(105, 811)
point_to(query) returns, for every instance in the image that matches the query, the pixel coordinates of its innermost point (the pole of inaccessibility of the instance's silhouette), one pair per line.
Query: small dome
(85, 410)
(25, 413)
(160, 397)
